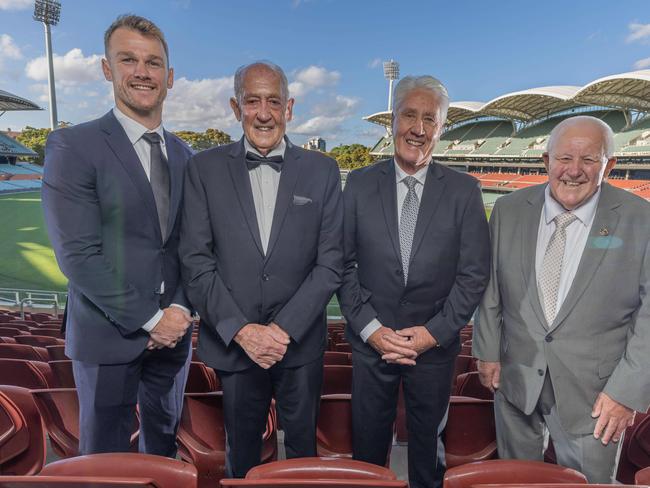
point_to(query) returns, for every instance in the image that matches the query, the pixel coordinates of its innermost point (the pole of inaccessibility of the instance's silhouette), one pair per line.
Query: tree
(34, 139)
(204, 140)
(352, 156)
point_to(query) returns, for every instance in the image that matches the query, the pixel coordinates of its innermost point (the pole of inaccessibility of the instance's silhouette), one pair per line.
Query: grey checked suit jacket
(600, 339)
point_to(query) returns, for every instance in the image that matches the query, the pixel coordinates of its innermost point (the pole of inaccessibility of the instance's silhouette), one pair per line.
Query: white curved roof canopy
(9, 101)
(532, 104)
(459, 111)
(626, 90)
(380, 118)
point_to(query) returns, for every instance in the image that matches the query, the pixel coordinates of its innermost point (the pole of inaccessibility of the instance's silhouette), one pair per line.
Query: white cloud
(73, 68)
(8, 48)
(16, 4)
(319, 125)
(638, 32)
(374, 63)
(200, 104)
(642, 63)
(340, 106)
(41, 92)
(311, 78)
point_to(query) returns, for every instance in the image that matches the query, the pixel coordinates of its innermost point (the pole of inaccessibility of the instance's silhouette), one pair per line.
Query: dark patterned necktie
(408, 219)
(159, 179)
(254, 160)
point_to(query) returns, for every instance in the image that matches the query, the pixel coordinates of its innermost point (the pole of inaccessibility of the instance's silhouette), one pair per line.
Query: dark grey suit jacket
(231, 282)
(450, 256)
(600, 339)
(102, 221)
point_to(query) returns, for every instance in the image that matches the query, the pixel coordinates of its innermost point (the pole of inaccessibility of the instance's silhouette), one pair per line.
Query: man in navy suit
(416, 264)
(111, 193)
(262, 255)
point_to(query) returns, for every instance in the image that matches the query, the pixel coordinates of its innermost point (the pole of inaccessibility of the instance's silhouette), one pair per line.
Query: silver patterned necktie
(408, 219)
(549, 279)
(159, 179)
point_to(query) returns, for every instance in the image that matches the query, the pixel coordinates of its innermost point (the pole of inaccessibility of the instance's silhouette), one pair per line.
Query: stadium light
(391, 73)
(49, 12)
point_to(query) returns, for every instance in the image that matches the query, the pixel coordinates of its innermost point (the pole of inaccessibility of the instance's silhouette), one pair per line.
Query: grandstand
(501, 141)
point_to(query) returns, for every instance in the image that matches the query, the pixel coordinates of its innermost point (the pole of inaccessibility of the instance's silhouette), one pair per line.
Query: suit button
(265, 277)
(540, 372)
(548, 338)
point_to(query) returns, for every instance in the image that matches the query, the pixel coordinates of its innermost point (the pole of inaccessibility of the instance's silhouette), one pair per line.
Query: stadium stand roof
(459, 111)
(9, 101)
(532, 104)
(380, 118)
(11, 147)
(627, 90)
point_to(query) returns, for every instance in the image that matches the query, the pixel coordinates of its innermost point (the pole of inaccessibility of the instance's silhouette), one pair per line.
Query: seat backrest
(498, 471)
(23, 351)
(297, 483)
(337, 379)
(342, 347)
(642, 477)
(336, 357)
(469, 385)
(201, 379)
(75, 482)
(57, 352)
(7, 340)
(38, 340)
(59, 409)
(320, 468)
(12, 332)
(635, 450)
(334, 428)
(470, 433)
(47, 331)
(22, 441)
(25, 373)
(62, 371)
(166, 472)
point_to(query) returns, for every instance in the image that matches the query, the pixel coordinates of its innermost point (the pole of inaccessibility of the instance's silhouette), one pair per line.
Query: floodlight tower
(391, 73)
(49, 12)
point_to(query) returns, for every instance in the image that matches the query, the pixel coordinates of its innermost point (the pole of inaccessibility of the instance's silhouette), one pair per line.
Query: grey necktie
(408, 219)
(549, 279)
(159, 179)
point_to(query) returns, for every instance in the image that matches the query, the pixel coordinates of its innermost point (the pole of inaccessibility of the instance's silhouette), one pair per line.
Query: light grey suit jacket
(600, 339)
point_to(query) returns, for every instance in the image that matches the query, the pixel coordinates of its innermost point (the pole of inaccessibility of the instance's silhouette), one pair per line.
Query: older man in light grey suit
(564, 326)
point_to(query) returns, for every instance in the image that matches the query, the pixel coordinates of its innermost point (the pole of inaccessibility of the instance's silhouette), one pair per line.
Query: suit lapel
(242, 183)
(291, 168)
(388, 195)
(175, 160)
(431, 194)
(595, 250)
(529, 230)
(123, 149)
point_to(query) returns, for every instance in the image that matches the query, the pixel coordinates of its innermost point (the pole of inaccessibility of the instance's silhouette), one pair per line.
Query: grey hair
(425, 82)
(606, 130)
(241, 73)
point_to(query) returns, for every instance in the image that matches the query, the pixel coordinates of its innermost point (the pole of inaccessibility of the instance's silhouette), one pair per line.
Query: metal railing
(34, 299)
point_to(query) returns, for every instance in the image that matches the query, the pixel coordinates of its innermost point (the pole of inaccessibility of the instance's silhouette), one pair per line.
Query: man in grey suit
(416, 265)
(564, 326)
(262, 255)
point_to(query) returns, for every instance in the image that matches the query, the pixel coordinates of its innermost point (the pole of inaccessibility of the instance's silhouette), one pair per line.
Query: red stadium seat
(499, 471)
(57, 352)
(23, 351)
(22, 439)
(74, 482)
(62, 371)
(635, 451)
(320, 468)
(7, 340)
(28, 374)
(167, 473)
(335, 357)
(642, 477)
(46, 331)
(201, 379)
(342, 347)
(337, 379)
(470, 433)
(296, 483)
(38, 340)
(334, 428)
(469, 385)
(12, 332)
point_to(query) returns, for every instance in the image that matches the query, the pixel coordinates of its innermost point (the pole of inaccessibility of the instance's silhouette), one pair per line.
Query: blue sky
(331, 50)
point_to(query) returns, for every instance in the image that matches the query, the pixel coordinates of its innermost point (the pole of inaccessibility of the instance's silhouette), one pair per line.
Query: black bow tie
(253, 161)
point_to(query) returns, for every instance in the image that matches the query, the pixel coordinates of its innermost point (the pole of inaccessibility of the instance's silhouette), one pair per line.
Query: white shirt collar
(276, 151)
(420, 174)
(584, 212)
(134, 130)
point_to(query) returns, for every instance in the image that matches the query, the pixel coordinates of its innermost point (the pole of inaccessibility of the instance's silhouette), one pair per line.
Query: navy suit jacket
(450, 256)
(102, 221)
(231, 282)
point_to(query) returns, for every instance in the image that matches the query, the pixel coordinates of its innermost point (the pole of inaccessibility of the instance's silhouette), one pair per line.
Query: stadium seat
(19, 326)
(552, 485)
(38, 340)
(57, 352)
(167, 473)
(296, 483)
(470, 433)
(23, 351)
(7, 340)
(320, 468)
(202, 438)
(62, 372)
(635, 451)
(59, 409)
(342, 347)
(28, 374)
(22, 439)
(334, 428)
(47, 331)
(469, 385)
(12, 332)
(335, 357)
(201, 379)
(499, 471)
(74, 482)
(337, 379)
(642, 477)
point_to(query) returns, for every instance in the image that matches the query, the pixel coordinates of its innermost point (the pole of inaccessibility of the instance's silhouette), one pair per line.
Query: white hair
(606, 131)
(425, 82)
(241, 73)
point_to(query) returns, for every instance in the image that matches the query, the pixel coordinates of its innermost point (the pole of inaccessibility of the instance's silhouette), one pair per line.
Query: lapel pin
(604, 231)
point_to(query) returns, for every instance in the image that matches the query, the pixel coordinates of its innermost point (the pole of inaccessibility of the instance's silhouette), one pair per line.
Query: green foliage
(204, 140)
(352, 156)
(34, 139)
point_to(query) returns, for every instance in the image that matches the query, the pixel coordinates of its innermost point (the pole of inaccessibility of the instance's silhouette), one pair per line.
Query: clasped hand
(264, 344)
(170, 328)
(401, 346)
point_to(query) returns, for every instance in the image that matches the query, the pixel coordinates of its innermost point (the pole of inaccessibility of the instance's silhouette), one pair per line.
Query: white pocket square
(298, 200)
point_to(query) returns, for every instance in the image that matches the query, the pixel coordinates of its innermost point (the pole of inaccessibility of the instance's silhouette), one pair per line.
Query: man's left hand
(420, 338)
(613, 418)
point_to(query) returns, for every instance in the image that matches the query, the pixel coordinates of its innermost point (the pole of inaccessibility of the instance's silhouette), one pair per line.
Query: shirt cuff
(184, 309)
(370, 329)
(153, 321)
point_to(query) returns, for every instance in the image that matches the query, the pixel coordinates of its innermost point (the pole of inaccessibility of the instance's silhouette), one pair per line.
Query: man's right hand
(392, 347)
(489, 372)
(170, 328)
(265, 345)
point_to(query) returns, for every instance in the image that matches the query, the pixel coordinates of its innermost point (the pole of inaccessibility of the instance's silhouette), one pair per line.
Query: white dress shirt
(134, 131)
(421, 177)
(577, 233)
(264, 185)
